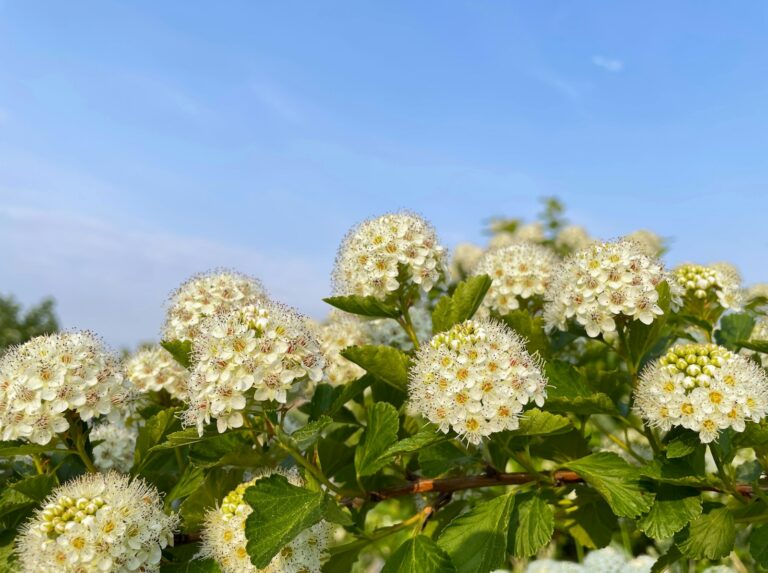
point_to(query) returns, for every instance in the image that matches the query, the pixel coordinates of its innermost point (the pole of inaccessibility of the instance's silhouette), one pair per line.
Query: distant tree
(17, 326)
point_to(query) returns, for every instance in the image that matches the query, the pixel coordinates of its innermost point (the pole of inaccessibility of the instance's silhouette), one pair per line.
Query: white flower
(715, 284)
(651, 244)
(702, 387)
(552, 566)
(154, 369)
(463, 260)
(368, 259)
(259, 351)
(601, 283)
(519, 272)
(115, 452)
(640, 564)
(105, 523)
(605, 560)
(386, 331)
(340, 332)
(223, 536)
(48, 376)
(572, 238)
(207, 295)
(475, 379)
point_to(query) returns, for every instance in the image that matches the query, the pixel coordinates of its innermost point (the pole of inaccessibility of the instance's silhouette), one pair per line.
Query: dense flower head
(718, 283)
(223, 536)
(50, 377)
(117, 442)
(596, 285)
(106, 523)
(154, 369)
(572, 238)
(519, 272)
(259, 351)
(703, 387)
(475, 378)
(368, 259)
(463, 260)
(386, 331)
(337, 334)
(651, 244)
(206, 295)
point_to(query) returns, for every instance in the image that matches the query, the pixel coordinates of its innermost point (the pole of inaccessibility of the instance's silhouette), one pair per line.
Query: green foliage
(710, 536)
(734, 328)
(531, 525)
(462, 304)
(419, 555)
(17, 326)
(380, 434)
(364, 306)
(181, 350)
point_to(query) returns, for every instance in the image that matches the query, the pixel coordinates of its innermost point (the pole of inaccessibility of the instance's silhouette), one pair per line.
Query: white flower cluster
(223, 536)
(386, 331)
(475, 378)
(337, 334)
(52, 376)
(572, 238)
(154, 369)
(651, 244)
(207, 295)
(367, 263)
(606, 560)
(602, 282)
(259, 350)
(463, 260)
(118, 442)
(718, 283)
(105, 523)
(533, 232)
(702, 387)
(519, 272)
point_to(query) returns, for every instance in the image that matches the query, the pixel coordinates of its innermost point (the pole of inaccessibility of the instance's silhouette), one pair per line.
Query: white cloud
(115, 280)
(608, 64)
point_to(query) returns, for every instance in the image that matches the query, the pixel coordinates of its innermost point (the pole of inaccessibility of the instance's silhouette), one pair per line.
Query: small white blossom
(702, 387)
(260, 352)
(463, 260)
(605, 560)
(115, 452)
(154, 369)
(340, 332)
(100, 523)
(475, 379)
(601, 283)
(207, 295)
(368, 259)
(519, 272)
(572, 238)
(223, 536)
(48, 376)
(715, 284)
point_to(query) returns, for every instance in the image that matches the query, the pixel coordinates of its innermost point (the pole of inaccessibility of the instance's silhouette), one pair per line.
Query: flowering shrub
(551, 403)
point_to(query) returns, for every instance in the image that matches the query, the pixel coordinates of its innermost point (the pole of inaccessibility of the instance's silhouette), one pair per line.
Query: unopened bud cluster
(716, 283)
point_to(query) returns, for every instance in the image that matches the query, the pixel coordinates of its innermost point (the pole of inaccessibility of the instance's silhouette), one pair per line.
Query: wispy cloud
(277, 101)
(612, 65)
(114, 280)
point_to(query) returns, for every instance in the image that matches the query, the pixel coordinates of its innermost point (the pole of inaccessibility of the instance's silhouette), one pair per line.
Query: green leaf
(673, 508)
(758, 545)
(309, 434)
(191, 566)
(364, 306)
(477, 540)
(11, 449)
(531, 329)
(591, 522)
(280, 512)
(425, 438)
(189, 482)
(569, 391)
(616, 480)
(734, 328)
(664, 562)
(384, 362)
(756, 345)
(534, 422)
(151, 434)
(711, 536)
(682, 443)
(419, 555)
(181, 350)
(379, 435)
(531, 525)
(462, 304)
(218, 483)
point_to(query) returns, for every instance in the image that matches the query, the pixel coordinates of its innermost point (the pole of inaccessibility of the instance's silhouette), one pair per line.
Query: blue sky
(143, 141)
